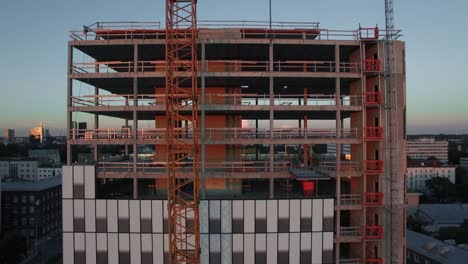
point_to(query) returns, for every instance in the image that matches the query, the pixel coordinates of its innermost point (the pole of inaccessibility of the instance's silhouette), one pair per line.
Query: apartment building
(262, 93)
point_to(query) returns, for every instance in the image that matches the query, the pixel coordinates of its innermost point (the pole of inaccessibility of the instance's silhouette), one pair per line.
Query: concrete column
(272, 116)
(203, 124)
(338, 152)
(306, 146)
(69, 102)
(135, 120)
(96, 119)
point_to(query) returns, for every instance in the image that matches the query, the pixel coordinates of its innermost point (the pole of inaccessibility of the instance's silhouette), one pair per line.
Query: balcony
(372, 98)
(371, 65)
(218, 66)
(347, 168)
(350, 201)
(214, 135)
(234, 170)
(373, 166)
(373, 232)
(373, 198)
(372, 133)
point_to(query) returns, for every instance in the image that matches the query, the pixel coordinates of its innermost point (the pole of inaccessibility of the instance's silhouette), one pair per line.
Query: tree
(13, 248)
(441, 188)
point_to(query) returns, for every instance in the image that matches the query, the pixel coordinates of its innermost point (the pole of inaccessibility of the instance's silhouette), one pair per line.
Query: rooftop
(435, 249)
(427, 163)
(445, 213)
(18, 186)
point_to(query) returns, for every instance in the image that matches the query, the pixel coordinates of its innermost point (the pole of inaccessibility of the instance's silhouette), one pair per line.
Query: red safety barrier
(373, 261)
(373, 198)
(308, 187)
(372, 133)
(371, 65)
(372, 98)
(369, 33)
(373, 232)
(373, 166)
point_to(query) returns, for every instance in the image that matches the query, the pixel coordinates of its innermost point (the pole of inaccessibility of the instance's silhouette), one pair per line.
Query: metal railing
(213, 134)
(345, 166)
(219, 99)
(226, 167)
(350, 231)
(217, 66)
(350, 199)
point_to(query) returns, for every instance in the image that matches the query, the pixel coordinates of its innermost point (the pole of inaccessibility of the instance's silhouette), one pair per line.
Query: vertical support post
(69, 102)
(135, 120)
(272, 116)
(338, 166)
(203, 123)
(306, 146)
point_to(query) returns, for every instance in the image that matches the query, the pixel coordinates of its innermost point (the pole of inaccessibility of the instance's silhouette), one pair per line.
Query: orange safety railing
(373, 198)
(373, 232)
(369, 33)
(372, 133)
(372, 98)
(373, 166)
(371, 65)
(373, 261)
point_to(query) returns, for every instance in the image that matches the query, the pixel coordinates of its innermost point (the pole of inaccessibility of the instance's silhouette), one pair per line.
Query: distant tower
(9, 135)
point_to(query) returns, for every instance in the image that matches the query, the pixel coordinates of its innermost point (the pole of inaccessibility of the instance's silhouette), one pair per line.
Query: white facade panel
(113, 247)
(249, 248)
(226, 249)
(135, 249)
(158, 253)
(90, 182)
(272, 248)
(67, 215)
(226, 217)
(80, 242)
(90, 215)
(68, 245)
(67, 182)
(134, 216)
(295, 216)
(78, 209)
(101, 241)
(146, 243)
(316, 247)
(157, 212)
(90, 248)
(237, 243)
(272, 213)
(306, 241)
(328, 208)
(327, 241)
(124, 242)
(205, 248)
(123, 209)
(204, 226)
(112, 217)
(294, 248)
(317, 215)
(249, 216)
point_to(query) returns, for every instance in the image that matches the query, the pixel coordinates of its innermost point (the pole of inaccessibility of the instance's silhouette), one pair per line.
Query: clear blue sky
(34, 37)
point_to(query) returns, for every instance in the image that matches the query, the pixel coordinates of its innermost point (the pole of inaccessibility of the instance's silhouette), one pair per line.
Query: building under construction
(269, 100)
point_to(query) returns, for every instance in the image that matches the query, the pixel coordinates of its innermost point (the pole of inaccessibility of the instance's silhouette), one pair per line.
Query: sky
(34, 35)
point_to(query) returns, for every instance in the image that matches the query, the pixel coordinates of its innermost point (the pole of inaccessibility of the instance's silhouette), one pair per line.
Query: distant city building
(424, 148)
(46, 157)
(23, 169)
(26, 169)
(419, 171)
(422, 249)
(32, 208)
(9, 136)
(439, 216)
(464, 163)
(40, 132)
